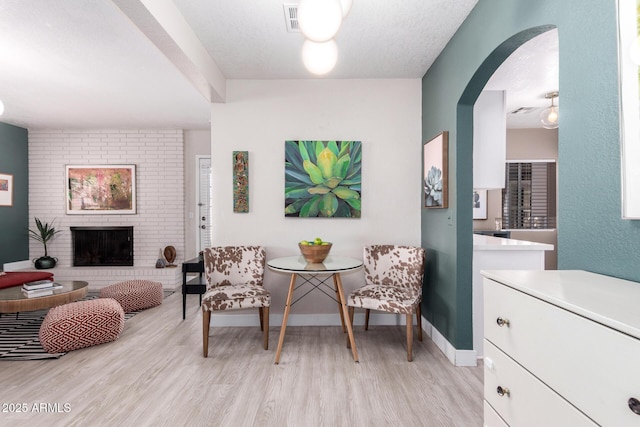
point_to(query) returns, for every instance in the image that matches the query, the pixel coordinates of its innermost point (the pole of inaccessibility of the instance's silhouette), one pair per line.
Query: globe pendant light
(319, 58)
(550, 116)
(346, 7)
(319, 20)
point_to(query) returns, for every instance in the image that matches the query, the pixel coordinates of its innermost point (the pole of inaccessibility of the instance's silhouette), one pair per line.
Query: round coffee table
(13, 300)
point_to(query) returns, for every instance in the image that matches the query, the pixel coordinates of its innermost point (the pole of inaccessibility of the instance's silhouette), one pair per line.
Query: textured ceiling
(90, 63)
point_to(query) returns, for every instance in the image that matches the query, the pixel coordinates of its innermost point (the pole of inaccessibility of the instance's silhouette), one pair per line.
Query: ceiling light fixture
(549, 116)
(319, 58)
(346, 7)
(319, 20)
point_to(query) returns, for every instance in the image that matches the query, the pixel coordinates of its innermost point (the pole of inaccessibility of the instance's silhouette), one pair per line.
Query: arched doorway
(464, 130)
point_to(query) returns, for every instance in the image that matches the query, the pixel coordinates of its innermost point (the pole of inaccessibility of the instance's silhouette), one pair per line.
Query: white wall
(159, 221)
(259, 116)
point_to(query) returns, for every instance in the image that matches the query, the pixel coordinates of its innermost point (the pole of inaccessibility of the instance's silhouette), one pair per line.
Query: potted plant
(45, 232)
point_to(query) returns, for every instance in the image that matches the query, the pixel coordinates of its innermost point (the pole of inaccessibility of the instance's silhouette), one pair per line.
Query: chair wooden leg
(419, 321)
(366, 319)
(206, 318)
(409, 337)
(265, 330)
(261, 316)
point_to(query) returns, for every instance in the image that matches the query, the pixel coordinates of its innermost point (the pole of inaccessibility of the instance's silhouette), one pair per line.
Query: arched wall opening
(464, 164)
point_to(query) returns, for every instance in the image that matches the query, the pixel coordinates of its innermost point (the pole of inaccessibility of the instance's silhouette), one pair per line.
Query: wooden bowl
(315, 253)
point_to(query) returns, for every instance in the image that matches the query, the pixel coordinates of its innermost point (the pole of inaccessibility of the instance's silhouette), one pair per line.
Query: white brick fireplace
(159, 221)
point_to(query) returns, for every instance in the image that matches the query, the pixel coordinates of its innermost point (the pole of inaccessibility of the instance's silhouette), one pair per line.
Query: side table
(197, 285)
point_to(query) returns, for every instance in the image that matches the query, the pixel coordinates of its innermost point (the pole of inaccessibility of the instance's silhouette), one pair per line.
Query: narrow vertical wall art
(241, 181)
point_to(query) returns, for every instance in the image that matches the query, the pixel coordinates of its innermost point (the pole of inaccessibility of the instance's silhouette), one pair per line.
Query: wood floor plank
(154, 374)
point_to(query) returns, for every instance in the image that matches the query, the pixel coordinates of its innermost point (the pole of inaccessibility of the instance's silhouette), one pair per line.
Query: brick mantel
(159, 220)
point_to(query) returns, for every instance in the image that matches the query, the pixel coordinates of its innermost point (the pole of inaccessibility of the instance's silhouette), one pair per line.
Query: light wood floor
(154, 374)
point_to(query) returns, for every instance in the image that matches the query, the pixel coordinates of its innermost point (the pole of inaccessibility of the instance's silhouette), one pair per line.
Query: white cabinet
(489, 140)
(498, 253)
(566, 346)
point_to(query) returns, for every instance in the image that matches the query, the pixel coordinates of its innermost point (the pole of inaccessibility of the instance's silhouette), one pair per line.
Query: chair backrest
(394, 266)
(234, 265)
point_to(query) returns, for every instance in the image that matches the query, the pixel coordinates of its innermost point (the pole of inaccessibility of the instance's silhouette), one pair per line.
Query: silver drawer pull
(502, 391)
(634, 405)
(502, 322)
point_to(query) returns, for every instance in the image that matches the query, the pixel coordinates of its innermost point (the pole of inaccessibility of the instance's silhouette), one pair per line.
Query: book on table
(38, 292)
(38, 284)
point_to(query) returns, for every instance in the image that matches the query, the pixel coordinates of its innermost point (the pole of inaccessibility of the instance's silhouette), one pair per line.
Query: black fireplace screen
(102, 246)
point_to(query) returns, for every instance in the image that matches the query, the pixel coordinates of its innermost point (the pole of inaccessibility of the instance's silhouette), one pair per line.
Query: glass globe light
(319, 20)
(346, 7)
(319, 58)
(550, 116)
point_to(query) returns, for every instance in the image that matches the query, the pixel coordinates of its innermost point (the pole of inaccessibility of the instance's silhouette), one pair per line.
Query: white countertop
(607, 300)
(490, 243)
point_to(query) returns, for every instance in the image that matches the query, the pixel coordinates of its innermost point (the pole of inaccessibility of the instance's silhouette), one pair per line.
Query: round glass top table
(313, 273)
(13, 300)
(331, 265)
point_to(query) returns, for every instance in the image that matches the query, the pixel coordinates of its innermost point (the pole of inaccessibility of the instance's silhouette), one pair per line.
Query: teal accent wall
(14, 220)
(591, 234)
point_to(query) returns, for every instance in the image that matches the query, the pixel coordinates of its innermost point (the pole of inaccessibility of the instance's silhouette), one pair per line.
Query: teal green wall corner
(591, 236)
(14, 220)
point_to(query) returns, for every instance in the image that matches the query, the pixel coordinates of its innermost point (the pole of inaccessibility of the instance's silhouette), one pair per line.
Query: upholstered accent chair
(234, 281)
(393, 283)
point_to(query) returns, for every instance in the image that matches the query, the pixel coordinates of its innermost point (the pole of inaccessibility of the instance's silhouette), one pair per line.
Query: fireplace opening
(102, 246)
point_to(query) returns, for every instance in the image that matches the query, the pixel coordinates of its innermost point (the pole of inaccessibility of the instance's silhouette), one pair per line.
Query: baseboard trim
(18, 265)
(456, 357)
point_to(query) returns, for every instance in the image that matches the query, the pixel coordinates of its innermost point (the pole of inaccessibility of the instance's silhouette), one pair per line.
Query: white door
(204, 203)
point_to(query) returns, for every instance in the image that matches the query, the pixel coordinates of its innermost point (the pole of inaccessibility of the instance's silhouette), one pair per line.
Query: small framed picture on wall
(479, 204)
(6, 189)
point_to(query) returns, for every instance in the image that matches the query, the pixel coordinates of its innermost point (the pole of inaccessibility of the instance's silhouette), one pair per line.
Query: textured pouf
(134, 295)
(81, 324)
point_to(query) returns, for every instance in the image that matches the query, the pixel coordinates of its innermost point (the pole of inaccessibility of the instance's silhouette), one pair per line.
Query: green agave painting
(322, 179)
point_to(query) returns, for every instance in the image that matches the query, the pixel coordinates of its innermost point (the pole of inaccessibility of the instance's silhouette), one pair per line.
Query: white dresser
(491, 253)
(562, 348)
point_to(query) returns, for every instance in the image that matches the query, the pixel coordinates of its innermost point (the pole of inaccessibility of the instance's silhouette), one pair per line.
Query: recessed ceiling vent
(291, 17)
(522, 110)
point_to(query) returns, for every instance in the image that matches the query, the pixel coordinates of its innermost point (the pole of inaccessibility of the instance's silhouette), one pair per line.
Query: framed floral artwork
(435, 164)
(101, 189)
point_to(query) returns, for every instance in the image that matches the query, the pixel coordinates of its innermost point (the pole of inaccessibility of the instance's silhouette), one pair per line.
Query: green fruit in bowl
(317, 241)
(304, 243)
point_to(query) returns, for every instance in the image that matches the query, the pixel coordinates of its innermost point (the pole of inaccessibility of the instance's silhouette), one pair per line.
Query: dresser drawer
(491, 417)
(594, 367)
(528, 402)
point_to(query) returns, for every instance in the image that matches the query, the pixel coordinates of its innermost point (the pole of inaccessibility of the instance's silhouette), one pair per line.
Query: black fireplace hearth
(102, 246)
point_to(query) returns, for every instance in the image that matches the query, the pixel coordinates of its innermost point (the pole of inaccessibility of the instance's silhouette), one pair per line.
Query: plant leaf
(345, 193)
(342, 166)
(310, 209)
(319, 189)
(326, 161)
(314, 172)
(328, 205)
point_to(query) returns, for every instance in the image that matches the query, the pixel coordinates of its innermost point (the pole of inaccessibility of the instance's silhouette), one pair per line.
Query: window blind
(529, 196)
